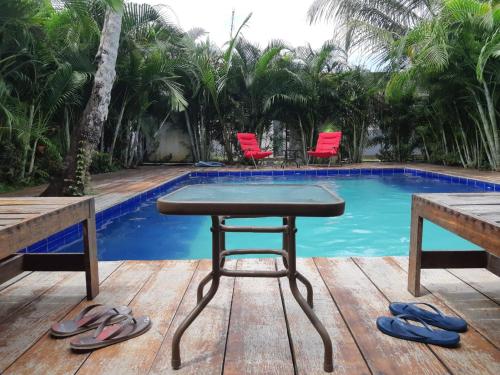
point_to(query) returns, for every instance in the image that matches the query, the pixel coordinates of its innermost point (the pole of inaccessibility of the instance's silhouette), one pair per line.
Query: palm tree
(372, 25)
(148, 63)
(460, 47)
(87, 134)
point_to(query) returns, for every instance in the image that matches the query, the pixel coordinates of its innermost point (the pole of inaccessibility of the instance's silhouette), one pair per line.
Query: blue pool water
(376, 222)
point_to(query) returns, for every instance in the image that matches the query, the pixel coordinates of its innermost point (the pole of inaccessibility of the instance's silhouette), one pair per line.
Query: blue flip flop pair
(399, 325)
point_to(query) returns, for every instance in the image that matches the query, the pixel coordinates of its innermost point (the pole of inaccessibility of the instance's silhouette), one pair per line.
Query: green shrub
(100, 163)
(10, 162)
(48, 163)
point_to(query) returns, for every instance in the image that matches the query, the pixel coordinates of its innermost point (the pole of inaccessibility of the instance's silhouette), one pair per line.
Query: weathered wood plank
(27, 232)
(157, 302)
(460, 199)
(307, 344)
(474, 355)
(202, 346)
(119, 289)
(482, 280)
(14, 280)
(19, 294)
(485, 234)
(15, 220)
(478, 310)
(16, 215)
(40, 200)
(22, 330)
(360, 303)
(28, 209)
(257, 342)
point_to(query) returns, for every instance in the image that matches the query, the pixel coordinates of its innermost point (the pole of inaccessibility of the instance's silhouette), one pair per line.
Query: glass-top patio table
(226, 201)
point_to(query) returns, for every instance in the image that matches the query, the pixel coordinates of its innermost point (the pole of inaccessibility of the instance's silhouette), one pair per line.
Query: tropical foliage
(433, 94)
(442, 59)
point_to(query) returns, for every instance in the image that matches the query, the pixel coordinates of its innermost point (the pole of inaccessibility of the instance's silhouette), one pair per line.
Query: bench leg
(415, 258)
(90, 254)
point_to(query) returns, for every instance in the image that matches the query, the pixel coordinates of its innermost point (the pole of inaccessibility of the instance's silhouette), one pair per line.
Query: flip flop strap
(429, 305)
(123, 325)
(86, 310)
(92, 319)
(408, 326)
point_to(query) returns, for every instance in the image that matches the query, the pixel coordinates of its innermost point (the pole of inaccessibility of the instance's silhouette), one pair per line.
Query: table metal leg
(199, 292)
(215, 275)
(218, 245)
(309, 288)
(292, 278)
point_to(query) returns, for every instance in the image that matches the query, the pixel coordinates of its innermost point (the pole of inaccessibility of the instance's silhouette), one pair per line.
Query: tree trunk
(194, 150)
(67, 132)
(26, 144)
(33, 154)
(86, 135)
(101, 147)
(303, 137)
(117, 131)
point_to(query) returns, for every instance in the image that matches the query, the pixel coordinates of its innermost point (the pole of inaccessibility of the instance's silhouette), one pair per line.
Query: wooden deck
(253, 326)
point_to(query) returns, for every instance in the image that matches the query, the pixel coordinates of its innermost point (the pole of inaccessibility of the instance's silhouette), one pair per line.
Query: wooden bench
(27, 220)
(473, 216)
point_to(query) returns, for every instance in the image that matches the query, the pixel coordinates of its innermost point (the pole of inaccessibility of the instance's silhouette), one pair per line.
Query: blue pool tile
(377, 171)
(497, 187)
(223, 173)
(344, 171)
(38, 247)
(54, 244)
(257, 173)
(311, 172)
(365, 171)
(237, 173)
(356, 171)
(488, 186)
(278, 172)
(479, 184)
(322, 172)
(212, 174)
(399, 170)
(72, 238)
(333, 172)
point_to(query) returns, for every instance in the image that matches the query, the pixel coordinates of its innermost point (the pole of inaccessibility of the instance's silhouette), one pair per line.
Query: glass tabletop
(252, 199)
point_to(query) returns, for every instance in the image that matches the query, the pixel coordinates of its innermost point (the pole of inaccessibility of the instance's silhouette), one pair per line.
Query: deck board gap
(344, 319)
(174, 315)
(389, 301)
(470, 323)
(287, 322)
(228, 324)
(35, 342)
(449, 270)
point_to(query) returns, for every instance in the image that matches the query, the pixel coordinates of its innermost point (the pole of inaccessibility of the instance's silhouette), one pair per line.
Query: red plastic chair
(328, 146)
(250, 147)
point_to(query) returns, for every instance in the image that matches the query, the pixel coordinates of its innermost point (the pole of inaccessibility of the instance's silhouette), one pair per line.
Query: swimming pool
(376, 222)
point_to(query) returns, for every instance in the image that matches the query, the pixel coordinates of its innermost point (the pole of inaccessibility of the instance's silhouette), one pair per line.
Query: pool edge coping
(131, 202)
